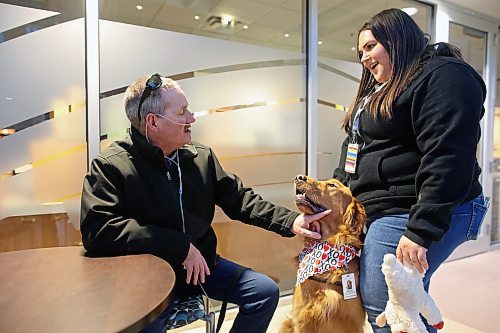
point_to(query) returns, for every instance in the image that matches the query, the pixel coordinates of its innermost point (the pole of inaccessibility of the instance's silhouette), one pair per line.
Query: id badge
(349, 286)
(351, 157)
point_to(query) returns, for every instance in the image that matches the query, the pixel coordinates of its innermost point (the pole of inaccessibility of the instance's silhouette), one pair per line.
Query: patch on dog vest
(321, 257)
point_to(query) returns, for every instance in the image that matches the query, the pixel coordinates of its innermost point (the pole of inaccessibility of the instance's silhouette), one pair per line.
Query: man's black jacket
(130, 206)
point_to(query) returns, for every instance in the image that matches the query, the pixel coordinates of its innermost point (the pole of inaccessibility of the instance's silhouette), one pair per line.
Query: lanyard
(354, 148)
(355, 123)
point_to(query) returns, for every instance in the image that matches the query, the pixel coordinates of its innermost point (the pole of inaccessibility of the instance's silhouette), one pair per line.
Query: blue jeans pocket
(479, 209)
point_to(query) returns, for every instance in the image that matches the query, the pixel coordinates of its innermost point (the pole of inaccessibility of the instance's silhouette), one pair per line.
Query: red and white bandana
(320, 257)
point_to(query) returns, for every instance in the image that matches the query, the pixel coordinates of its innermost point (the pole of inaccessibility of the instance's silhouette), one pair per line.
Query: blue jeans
(383, 237)
(256, 295)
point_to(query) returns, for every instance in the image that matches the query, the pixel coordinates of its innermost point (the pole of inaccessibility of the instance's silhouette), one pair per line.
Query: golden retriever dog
(319, 304)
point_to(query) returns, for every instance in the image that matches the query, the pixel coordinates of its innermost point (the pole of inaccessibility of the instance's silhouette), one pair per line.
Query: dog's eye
(332, 185)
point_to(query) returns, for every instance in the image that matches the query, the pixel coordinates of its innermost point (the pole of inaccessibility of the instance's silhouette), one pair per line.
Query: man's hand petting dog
(308, 224)
(195, 265)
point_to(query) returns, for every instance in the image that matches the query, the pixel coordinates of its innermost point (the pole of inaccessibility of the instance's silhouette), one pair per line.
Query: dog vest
(321, 257)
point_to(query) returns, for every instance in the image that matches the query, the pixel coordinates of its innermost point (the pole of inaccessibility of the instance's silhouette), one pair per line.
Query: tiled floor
(467, 291)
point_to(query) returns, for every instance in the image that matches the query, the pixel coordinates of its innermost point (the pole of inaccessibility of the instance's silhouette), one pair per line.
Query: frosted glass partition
(245, 87)
(337, 86)
(42, 110)
(13, 16)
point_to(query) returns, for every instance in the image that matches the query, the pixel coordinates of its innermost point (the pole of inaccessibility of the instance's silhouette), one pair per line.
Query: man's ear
(150, 121)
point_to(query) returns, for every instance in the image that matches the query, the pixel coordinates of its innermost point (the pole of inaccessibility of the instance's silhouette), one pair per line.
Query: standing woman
(410, 151)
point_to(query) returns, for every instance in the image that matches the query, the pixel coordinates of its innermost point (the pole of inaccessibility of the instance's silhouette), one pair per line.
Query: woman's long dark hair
(408, 48)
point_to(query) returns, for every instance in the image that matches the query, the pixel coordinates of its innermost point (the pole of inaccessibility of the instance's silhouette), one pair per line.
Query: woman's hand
(412, 253)
(308, 225)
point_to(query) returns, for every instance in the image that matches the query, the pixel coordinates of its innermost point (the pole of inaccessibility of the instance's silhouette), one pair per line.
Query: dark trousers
(254, 293)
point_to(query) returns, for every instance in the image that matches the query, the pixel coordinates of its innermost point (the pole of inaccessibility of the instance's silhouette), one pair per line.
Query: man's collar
(186, 151)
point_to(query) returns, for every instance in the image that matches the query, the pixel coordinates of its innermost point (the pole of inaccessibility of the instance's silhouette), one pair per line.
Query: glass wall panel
(495, 205)
(339, 70)
(472, 43)
(242, 67)
(42, 122)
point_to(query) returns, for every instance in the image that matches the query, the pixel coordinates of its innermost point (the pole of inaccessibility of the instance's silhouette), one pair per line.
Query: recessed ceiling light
(226, 19)
(196, 17)
(139, 7)
(245, 27)
(286, 35)
(8, 98)
(410, 10)
(320, 42)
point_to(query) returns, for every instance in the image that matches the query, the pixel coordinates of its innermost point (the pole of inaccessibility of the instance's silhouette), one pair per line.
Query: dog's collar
(321, 257)
(318, 279)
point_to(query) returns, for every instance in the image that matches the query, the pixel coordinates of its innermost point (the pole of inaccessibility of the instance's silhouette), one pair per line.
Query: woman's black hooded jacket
(422, 161)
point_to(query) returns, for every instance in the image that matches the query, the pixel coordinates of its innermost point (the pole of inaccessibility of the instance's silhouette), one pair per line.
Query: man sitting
(156, 192)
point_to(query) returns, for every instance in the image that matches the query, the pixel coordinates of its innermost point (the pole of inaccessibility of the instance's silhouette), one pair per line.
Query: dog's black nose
(300, 178)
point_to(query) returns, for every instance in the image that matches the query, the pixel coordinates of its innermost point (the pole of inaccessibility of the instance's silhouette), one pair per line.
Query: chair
(188, 309)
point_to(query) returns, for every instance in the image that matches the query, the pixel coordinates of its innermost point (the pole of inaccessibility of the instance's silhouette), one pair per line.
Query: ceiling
(486, 7)
(273, 23)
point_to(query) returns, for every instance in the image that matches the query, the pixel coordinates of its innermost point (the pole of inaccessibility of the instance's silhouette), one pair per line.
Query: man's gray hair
(153, 104)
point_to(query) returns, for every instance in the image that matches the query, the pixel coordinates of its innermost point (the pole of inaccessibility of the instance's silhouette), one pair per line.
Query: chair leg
(210, 324)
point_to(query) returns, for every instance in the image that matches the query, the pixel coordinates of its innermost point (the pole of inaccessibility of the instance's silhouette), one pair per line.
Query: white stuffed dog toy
(407, 299)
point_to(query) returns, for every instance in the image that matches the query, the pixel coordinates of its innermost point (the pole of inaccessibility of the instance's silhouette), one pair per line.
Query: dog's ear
(354, 217)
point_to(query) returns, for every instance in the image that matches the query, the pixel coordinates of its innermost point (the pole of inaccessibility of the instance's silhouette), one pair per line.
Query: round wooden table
(59, 290)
